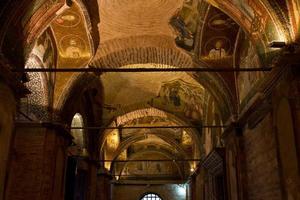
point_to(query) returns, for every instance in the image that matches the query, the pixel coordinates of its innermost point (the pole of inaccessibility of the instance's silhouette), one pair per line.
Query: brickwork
(263, 182)
(32, 166)
(7, 111)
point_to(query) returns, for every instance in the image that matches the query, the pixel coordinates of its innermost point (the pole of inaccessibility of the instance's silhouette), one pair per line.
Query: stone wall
(263, 180)
(7, 112)
(135, 192)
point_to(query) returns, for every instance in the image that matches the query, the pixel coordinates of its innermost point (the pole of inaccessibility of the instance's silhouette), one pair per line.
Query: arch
(93, 37)
(83, 94)
(77, 85)
(141, 50)
(38, 85)
(125, 144)
(78, 134)
(247, 22)
(163, 153)
(146, 112)
(162, 52)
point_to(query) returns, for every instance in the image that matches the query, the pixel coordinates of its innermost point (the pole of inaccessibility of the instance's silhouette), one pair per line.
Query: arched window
(79, 147)
(151, 196)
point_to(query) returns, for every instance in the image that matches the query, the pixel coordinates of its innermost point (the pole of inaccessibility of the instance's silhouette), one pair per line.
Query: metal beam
(184, 69)
(35, 124)
(146, 160)
(148, 127)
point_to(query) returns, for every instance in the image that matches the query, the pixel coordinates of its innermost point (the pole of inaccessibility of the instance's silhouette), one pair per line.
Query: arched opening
(76, 172)
(151, 196)
(78, 146)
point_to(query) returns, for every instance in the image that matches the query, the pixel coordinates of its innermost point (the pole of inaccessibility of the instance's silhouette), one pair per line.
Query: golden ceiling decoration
(73, 44)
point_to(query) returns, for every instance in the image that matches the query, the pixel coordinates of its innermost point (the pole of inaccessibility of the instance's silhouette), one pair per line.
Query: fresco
(186, 23)
(219, 35)
(151, 168)
(262, 25)
(39, 15)
(245, 7)
(68, 19)
(176, 93)
(45, 49)
(73, 44)
(180, 97)
(248, 58)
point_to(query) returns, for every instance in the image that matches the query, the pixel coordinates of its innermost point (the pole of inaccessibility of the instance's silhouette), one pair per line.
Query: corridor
(149, 100)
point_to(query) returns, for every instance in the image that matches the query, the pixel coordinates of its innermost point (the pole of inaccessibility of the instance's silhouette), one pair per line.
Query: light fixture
(277, 44)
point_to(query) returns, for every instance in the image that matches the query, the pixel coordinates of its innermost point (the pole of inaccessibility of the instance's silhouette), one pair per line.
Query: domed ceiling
(127, 18)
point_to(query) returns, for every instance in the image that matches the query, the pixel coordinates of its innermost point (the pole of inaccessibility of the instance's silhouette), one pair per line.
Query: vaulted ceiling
(156, 34)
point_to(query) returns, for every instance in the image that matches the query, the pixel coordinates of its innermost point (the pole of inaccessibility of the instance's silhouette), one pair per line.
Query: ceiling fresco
(176, 142)
(73, 44)
(255, 18)
(150, 169)
(157, 34)
(176, 93)
(247, 57)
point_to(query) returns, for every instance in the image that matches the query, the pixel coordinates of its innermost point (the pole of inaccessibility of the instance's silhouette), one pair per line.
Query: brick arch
(163, 52)
(141, 50)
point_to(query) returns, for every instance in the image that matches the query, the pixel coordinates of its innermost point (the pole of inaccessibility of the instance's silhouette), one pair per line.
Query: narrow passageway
(149, 100)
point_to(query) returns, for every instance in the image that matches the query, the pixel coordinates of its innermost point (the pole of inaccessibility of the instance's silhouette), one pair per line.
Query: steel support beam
(105, 70)
(148, 127)
(145, 160)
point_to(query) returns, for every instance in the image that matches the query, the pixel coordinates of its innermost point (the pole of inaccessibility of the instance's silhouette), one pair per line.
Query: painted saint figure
(217, 52)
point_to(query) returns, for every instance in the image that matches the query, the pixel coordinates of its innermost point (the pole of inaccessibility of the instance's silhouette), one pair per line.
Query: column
(103, 185)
